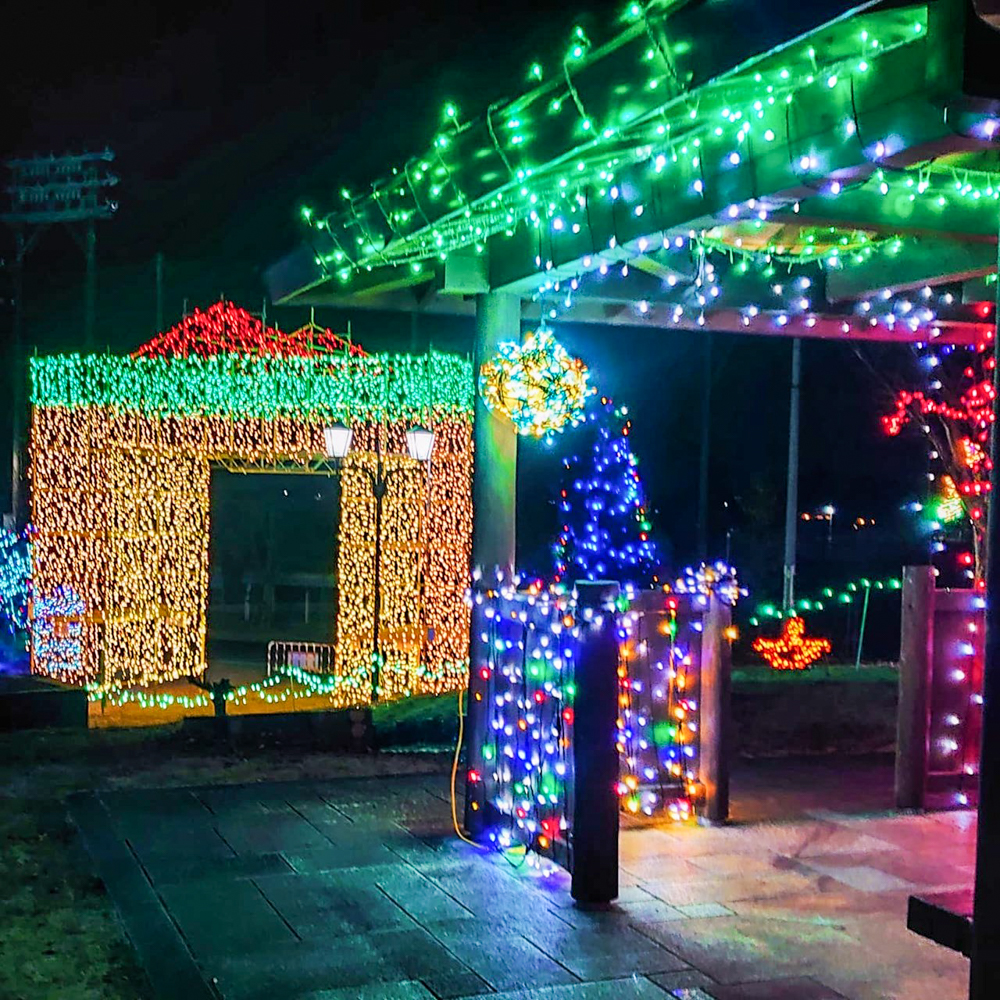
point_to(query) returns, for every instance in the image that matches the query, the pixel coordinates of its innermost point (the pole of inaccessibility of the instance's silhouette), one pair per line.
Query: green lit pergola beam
(974, 221)
(624, 312)
(918, 262)
(670, 204)
(718, 65)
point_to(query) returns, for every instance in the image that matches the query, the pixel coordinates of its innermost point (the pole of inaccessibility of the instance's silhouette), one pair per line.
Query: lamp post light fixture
(337, 440)
(829, 510)
(419, 442)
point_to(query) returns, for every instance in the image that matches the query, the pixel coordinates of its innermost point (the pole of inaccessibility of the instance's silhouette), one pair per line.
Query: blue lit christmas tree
(605, 528)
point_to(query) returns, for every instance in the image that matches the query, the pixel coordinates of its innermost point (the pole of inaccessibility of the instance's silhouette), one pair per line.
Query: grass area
(838, 673)
(425, 721)
(60, 936)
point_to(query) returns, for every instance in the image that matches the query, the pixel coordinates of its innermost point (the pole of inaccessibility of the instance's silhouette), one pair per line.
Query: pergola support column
(984, 980)
(494, 496)
(915, 661)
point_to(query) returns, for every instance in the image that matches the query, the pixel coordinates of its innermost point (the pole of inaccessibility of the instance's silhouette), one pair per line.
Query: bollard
(715, 719)
(594, 858)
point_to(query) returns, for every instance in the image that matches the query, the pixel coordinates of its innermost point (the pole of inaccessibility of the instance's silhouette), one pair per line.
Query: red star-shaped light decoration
(791, 650)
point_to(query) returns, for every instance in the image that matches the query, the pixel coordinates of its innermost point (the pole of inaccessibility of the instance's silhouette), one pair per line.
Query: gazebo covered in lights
(813, 170)
(121, 453)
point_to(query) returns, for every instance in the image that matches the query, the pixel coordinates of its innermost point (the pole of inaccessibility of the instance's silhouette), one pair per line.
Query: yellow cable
(454, 772)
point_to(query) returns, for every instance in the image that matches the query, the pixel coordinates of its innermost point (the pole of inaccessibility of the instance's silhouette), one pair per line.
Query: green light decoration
(827, 596)
(380, 386)
(950, 507)
(536, 385)
(544, 160)
(756, 239)
(287, 682)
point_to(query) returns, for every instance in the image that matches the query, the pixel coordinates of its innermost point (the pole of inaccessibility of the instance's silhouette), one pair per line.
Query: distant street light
(829, 510)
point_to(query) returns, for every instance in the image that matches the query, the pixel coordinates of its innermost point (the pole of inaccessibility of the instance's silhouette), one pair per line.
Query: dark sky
(227, 117)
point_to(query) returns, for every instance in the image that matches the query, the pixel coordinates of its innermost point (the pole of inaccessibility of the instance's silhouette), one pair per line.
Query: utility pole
(159, 292)
(46, 191)
(90, 285)
(706, 438)
(792, 489)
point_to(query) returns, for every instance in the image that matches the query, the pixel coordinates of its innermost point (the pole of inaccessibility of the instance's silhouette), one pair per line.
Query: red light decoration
(225, 328)
(955, 413)
(791, 650)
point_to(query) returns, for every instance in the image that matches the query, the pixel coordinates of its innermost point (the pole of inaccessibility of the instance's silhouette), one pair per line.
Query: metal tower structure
(47, 191)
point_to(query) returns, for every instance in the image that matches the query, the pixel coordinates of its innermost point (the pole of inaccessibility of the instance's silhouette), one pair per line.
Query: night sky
(225, 120)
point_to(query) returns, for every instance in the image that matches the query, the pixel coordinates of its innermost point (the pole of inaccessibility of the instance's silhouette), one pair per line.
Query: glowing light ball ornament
(717, 578)
(536, 385)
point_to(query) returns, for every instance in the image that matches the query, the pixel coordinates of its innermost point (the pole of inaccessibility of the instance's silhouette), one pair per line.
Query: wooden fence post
(715, 716)
(596, 765)
(915, 665)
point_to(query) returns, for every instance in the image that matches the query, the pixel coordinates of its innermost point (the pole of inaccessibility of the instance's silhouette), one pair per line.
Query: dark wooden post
(715, 716)
(494, 485)
(984, 977)
(915, 664)
(595, 756)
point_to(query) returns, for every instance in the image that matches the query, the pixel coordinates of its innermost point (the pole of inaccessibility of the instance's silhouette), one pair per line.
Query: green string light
(845, 595)
(380, 386)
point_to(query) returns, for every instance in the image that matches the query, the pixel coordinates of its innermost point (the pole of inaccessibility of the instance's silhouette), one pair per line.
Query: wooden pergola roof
(819, 170)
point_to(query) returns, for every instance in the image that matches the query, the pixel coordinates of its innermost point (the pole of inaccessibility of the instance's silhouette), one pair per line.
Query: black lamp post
(337, 439)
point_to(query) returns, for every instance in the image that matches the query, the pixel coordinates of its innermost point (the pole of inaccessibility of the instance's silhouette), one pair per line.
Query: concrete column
(494, 494)
(715, 716)
(915, 662)
(498, 319)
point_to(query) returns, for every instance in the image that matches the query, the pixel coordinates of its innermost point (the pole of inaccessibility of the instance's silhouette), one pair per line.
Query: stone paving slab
(332, 903)
(357, 889)
(278, 971)
(781, 989)
(218, 918)
(633, 988)
(174, 869)
(382, 991)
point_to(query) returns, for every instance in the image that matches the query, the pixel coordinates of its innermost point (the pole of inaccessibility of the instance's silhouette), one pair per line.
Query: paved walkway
(353, 890)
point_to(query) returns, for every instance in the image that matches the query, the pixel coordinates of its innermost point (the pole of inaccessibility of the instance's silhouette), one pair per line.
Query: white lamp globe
(419, 442)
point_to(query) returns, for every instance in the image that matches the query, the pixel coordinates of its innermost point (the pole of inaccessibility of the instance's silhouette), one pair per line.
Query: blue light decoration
(527, 665)
(605, 528)
(526, 671)
(15, 574)
(57, 630)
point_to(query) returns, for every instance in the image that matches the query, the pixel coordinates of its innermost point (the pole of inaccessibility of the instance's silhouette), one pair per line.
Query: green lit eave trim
(380, 386)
